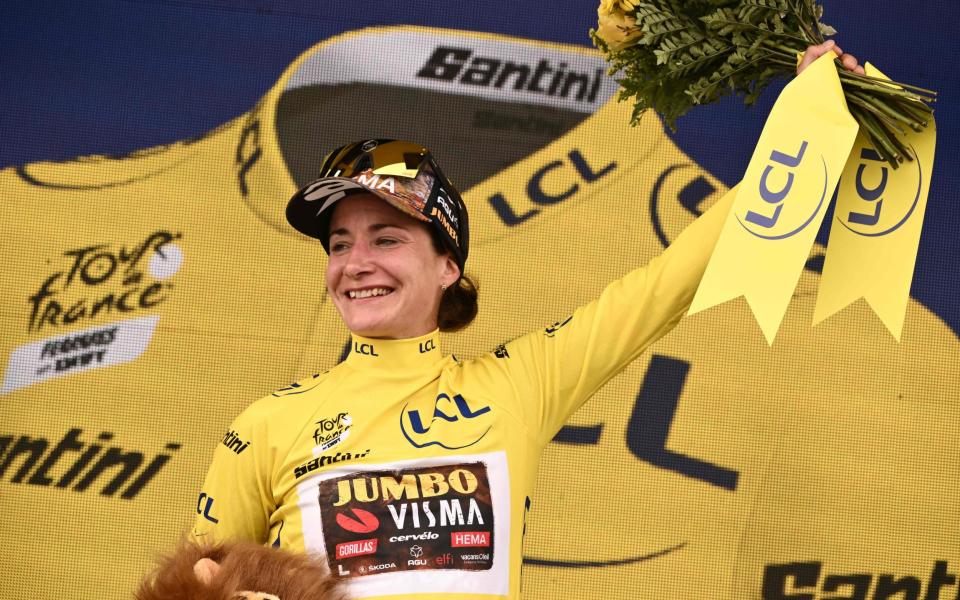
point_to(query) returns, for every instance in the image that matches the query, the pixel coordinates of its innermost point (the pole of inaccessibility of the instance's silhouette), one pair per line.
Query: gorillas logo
(362, 521)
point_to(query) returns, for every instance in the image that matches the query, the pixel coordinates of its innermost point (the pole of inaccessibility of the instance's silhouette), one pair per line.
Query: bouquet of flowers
(671, 55)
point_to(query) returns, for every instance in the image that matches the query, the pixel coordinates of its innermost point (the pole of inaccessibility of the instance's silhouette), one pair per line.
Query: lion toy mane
(238, 570)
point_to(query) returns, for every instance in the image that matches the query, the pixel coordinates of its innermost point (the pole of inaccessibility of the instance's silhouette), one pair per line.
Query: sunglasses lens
(397, 158)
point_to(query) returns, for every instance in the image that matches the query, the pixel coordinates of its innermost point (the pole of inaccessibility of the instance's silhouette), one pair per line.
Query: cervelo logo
(809, 581)
(454, 424)
(874, 220)
(775, 220)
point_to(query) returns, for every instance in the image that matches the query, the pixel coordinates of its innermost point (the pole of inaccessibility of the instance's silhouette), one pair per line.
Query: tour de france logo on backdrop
(95, 307)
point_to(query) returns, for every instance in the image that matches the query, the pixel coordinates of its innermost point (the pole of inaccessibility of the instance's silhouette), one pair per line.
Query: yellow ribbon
(808, 141)
(782, 198)
(876, 229)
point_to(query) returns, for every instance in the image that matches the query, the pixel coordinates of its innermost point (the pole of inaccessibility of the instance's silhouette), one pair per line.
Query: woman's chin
(387, 331)
(375, 328)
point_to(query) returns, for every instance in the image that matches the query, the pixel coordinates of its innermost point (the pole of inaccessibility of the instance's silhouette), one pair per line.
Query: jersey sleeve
(236, 501)
(564, 365)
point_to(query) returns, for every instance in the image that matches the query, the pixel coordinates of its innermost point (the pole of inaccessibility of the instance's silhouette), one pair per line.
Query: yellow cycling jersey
(411, 472)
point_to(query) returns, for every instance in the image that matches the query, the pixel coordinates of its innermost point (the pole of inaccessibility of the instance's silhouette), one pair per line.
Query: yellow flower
(617, 29)
(628, 6)
(607, 7)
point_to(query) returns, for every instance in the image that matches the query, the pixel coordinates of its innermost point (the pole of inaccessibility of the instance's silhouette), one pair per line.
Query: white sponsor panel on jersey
(437, 525)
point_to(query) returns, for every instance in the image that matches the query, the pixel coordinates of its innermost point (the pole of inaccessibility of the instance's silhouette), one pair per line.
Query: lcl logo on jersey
(455, 423)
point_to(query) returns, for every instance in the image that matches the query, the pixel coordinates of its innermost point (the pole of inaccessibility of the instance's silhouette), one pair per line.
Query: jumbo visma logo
(776, 217)
(452, 423)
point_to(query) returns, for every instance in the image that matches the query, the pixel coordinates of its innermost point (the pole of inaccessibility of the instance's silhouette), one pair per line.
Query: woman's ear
(205, 569)
(451, 271)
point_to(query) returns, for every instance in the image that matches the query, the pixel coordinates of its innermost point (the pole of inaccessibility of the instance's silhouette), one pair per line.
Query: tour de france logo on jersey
(101, 281)
(450, 422)
(332, 431)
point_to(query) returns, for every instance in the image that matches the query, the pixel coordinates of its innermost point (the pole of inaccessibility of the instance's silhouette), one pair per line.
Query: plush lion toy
(238, 570)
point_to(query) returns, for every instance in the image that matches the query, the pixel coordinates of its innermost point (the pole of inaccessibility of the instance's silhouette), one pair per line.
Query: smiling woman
(434, 456)
(397, 235)
(418, 475)
(384, 275)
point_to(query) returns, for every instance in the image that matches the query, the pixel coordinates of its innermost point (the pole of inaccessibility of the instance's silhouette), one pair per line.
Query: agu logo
(881, 210)
(782, 212)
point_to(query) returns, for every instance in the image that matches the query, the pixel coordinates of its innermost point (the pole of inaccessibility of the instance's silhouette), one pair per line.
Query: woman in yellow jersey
(407, 471)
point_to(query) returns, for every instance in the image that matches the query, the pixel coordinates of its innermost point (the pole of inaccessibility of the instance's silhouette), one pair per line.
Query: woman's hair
(458, 305)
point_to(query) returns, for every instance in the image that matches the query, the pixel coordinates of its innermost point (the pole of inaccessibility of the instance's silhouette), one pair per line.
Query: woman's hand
(812, 53)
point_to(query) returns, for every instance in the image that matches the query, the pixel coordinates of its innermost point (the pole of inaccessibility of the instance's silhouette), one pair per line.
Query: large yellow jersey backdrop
(147, 299)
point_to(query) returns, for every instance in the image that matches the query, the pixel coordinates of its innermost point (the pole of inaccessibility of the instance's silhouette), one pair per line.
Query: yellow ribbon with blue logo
(876, 229)
(808, 141)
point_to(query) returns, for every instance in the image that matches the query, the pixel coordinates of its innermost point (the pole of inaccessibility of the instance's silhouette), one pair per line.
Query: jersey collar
(262, 175)
(263, 178)
(413, 354)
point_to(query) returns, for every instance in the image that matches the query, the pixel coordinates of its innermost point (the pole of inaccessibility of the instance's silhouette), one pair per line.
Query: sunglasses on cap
(404, 174)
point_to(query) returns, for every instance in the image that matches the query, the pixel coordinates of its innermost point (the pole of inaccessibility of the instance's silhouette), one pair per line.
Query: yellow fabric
(396, 407)
(876, 230)
(783, 198)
